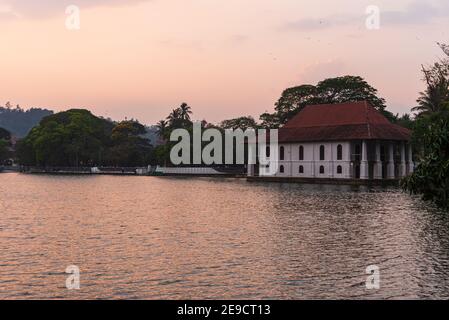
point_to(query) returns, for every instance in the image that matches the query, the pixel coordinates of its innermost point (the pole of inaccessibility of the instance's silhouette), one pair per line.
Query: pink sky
(224, 58)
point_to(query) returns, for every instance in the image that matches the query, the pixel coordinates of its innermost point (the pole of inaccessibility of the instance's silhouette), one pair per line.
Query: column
(378, 164)
(313, 160)
(250, 170)
(391, 161)
(411, 164)
(403, 167)
(332, 163)
(350, 173)
(364, 163)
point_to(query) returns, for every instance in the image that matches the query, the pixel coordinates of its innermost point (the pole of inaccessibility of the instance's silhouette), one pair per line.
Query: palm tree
(185, 111)
(174, 117)
(436, 96)
(162, 128)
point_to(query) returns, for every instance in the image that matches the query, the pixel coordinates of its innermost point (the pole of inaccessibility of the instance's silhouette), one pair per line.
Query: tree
(431, 177)
(162, 128)
(431, 138)
(348, 89)
(329, 91)
(293, 100)
(436, 95)
(239, 123)
(269, 121)
(5, 144)
(129, 148)
(185, 111)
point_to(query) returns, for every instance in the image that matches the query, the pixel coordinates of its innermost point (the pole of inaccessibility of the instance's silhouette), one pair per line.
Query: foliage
(5, 134)
(239, 123)
(129, 148)
(5, 144)
(431, 137)
(328, 91)
(431, 177)
(436, 95)
(78, 138)
(18, 121)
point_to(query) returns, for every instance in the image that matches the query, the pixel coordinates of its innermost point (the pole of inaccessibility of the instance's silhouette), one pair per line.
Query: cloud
(45, 8)
(416, 13)
(6, 11)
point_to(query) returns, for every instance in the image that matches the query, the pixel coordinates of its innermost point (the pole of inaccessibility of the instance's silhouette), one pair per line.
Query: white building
(342, 141)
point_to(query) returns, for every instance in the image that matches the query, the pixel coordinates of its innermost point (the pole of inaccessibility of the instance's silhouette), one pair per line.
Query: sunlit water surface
(181, 238)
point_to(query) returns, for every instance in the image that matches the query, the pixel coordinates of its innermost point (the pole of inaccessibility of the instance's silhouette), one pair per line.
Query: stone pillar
(364, 163)
(391, 161)
(378, 164)
(411, 164)
(403, 167)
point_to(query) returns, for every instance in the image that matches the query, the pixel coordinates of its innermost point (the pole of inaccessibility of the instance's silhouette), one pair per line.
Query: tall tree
(185, 111)
(436, 95)
(334, 90)
(162, 127)
(239, 123)
(348, 89)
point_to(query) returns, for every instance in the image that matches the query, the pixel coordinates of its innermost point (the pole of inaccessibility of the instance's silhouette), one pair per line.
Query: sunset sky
(225, 58)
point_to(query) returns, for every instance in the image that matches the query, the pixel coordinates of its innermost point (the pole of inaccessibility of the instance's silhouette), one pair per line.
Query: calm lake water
(195, 238)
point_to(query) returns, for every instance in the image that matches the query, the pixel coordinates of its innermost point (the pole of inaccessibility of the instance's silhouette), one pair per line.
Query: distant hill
(18, 121)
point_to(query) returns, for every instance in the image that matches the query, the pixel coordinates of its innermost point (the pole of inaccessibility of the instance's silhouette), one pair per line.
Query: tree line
(77, 138)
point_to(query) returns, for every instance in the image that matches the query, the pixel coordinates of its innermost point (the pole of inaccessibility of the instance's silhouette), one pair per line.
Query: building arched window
(301, 169)
(322, 153)
(268, 151)
(339, 170)
(301, 153)
(340, 152)
(322, 170)
(282, 153)
(281, 169)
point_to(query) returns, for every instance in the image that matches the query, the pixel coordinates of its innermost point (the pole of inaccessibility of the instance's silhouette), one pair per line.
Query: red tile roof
(345, 121)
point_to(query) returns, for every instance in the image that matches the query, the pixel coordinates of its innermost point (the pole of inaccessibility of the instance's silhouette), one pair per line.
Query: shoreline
(320, 181)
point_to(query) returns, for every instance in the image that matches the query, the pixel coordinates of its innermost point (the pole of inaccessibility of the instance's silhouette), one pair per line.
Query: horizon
(142, 59)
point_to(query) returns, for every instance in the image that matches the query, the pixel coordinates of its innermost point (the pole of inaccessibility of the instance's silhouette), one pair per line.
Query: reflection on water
(181, 238)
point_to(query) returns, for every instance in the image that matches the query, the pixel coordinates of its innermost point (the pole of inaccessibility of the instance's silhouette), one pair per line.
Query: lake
(205, 238)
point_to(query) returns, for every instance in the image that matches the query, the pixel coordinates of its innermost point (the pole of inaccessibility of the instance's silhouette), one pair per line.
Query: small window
(322, 153)
(282, 153)
(301, 169)
(340, 152)
(339, 170)
(301, 153)
(322, 170)
(281, 169)
(268, 151)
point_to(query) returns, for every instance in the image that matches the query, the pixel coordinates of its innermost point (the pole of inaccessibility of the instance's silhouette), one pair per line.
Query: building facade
(342, 141)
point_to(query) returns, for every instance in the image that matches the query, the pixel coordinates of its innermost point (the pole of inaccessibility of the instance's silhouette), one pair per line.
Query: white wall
(188, 171)
(312, 162)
